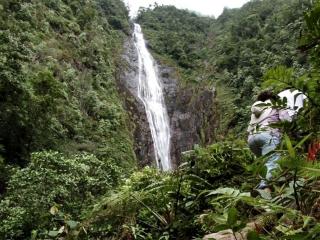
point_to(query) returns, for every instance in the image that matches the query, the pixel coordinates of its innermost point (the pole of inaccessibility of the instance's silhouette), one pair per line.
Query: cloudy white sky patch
(205, 7)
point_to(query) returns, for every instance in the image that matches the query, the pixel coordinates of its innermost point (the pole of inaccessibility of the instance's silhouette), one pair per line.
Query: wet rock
(128, 84)
(192, 112)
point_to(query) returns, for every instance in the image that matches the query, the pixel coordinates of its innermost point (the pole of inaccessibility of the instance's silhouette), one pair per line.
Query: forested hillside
(231, 52)
(213, 193)
(58, 92)
(58, 86)
(68, 169)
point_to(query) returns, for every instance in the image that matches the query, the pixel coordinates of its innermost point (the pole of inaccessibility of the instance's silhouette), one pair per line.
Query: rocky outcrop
(191, 112)
(263, 223)
(229, 235)
(222, 235)
(128, 84)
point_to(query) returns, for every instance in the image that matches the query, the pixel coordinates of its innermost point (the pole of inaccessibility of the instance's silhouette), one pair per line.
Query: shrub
(52, 179)
(220, 162)
(155, 205)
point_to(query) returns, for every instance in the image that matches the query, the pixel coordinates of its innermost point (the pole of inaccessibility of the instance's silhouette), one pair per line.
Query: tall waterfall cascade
(151, 94)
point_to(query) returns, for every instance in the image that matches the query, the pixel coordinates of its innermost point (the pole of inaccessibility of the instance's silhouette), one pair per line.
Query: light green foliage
(272, 219)
(308, 83)
(284, 214)
(153, 205)
(145, 196)
(221, 161)
(51, 179)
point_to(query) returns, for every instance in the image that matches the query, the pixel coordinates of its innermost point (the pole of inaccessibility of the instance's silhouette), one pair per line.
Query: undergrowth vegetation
(53, 181)
(212, 189)
(154, 205)
(66, 152)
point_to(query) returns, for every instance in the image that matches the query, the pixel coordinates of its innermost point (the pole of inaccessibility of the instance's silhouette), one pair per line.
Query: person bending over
(263, 136)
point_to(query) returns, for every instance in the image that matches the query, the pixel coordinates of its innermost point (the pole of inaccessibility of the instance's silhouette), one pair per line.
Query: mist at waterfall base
(151, 94)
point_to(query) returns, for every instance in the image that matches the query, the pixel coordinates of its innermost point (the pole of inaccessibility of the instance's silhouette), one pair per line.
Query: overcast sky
(205, 7)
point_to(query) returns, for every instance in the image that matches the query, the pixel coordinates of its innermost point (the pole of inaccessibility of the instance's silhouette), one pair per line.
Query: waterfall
(151, 94)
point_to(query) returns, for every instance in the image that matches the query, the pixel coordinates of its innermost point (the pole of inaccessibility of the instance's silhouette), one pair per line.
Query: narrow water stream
(151, 94)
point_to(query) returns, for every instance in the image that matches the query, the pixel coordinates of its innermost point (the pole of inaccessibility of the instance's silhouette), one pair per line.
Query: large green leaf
(72, 224)
(291, 150)
(232, 216)
(226, 191)
(53, 233)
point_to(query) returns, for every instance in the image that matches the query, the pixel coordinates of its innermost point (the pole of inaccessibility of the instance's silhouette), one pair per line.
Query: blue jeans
(261, 144)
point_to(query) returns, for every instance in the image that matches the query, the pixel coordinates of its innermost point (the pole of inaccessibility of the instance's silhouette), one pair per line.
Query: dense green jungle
(68, 167)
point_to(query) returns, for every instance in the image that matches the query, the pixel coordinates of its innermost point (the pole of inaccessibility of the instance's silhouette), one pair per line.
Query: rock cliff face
(191, 113)
(128, 83)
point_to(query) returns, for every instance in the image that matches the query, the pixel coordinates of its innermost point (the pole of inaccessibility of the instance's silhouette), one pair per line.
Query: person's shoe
(267, 189)
(262, 185)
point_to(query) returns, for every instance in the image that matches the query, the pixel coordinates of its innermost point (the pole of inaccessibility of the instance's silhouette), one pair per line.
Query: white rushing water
(150, 93)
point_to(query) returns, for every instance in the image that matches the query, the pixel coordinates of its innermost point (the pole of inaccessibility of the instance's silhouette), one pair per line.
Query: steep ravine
(192, 115)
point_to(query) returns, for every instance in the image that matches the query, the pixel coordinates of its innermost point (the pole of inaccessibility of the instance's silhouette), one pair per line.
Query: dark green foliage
(211, 191)
(219, 162)
(310, 39)
(179, 34)
(58, 88)
(233, 51)
(116, 14)
(282, 77)
(51, 179)
(245, 42)
(58, 66)
(58, 91)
